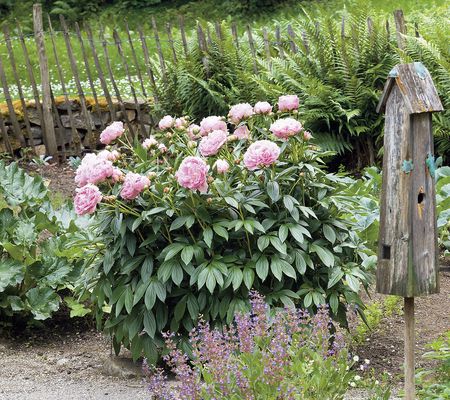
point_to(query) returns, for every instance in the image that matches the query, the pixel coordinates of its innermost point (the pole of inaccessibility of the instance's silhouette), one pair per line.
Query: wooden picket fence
(69, 125)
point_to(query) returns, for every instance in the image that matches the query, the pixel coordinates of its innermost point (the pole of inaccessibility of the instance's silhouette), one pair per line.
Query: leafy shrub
(443, 207)
(291, 355)
(172, 253)
(434, 383)
(36, 263)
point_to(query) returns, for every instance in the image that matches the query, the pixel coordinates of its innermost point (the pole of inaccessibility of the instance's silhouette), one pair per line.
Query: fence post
(49, 128)
(400, 27)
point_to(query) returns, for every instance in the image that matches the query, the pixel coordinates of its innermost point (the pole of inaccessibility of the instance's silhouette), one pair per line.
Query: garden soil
(70, 360)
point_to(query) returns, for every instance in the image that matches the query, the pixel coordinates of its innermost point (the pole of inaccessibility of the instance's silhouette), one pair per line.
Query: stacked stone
(97, 120)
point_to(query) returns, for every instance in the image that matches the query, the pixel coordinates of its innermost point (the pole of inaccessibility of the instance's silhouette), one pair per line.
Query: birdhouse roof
(416, 86)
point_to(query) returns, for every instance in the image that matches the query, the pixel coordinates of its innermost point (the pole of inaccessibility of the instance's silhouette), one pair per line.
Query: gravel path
(71, 365)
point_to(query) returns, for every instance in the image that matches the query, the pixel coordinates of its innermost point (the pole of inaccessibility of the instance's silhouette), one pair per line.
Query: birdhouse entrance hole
(386, 253)
(420, 198)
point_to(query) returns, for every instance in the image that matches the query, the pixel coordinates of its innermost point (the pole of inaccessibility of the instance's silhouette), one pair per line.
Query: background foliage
(38, 266)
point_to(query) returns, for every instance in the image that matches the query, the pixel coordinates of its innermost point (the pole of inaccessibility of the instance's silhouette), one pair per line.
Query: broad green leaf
(334, 302)
(329, 233)
(276, 242)
(262, 267)
(335, 276)
(149, 323)
(232, 202)
(352, 282)
(180, 309)
(172, 250)
(307, 301)
(283, 232)
(178, 223)
(186, 254)
(220, 231)
(324, 254)
(236, 278)
(208, 236)
(276, 267)
(177, 274)
(263, 242)
(150, 297)
(249, 277)
(300, 263)
(273, 190)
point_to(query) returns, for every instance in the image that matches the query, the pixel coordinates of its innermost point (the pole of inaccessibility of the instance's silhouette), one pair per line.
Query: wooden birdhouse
(407, 247)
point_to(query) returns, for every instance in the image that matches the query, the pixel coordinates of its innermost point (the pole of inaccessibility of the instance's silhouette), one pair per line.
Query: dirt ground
(384, 346)
(59, 176)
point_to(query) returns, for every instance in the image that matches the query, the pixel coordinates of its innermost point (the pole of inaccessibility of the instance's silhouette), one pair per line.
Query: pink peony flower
(112, 132)
(117, 175)
(108, 155)
(286, 127)
(240, 111)
(222, 166)
(261, 153)
(166, 122)
(181, 122)
(242, 132)
(192, 174)
(133, 185)
(193, 131)
(86, 199)
(262, 107)
(288, 102)
(149, 142)
(93, 169)
(212, 143)
(307, 135)
(212, 123)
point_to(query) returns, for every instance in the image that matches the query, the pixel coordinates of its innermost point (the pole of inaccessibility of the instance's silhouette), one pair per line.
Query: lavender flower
(257, 357)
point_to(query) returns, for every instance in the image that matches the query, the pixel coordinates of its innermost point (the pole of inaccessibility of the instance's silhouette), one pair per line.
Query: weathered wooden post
(49, 125)
(407, 245)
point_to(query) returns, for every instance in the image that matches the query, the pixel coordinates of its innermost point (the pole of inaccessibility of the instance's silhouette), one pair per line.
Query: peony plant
(197, 215)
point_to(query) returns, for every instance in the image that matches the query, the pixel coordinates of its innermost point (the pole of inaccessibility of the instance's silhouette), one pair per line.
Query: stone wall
(68, 138)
